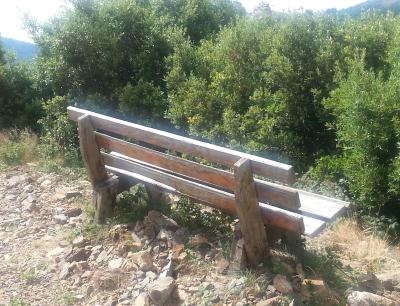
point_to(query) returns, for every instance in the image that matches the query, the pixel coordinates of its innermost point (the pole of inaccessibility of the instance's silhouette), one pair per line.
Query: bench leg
(104, 199)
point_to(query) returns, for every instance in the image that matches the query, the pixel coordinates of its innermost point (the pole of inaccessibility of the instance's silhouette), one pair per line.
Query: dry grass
(18, 147)
(355, 244)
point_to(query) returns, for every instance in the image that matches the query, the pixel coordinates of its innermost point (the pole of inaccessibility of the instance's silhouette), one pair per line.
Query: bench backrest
(214, 186)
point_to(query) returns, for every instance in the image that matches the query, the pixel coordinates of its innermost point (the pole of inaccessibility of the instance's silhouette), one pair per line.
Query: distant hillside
(25, 50)
(383, 5)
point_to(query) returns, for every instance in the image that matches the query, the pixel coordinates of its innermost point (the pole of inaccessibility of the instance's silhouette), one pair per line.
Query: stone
(32, 207)
(369, 282)
(77, 255)
(390, 280)
(31, 198)
(197, 240)
(145, 261)
(115, 263)
(142, 300)
(45, 183)
(318, 287)
(357, 298)
(78, 241)
(10, 197)
(139, 225)
(28, 188)
(281, 284)
(55, 252)
(73, 212)
(149, 230)
(15, 180)
(162, 222)
(288, 267)
(102, 255)
(136, 247)
(176, 251)
(160, 290)
(64, 271)
(60, 219)
(72, 194)
(222, 263)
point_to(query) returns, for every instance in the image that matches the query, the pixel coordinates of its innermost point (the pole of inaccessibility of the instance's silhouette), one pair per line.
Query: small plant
(283, 300)
(208, 297)
(30, 277)
(19, 302)
(66, 298)
(43, 264)
(274, 268)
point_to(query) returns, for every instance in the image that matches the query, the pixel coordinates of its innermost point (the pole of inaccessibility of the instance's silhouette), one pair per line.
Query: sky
(11, 11)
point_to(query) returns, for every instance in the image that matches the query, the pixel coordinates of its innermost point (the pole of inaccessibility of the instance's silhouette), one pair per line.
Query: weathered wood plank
(260, 166)
(222, 200)
(266, 192)
(321, 207)
(94, 163)
(248, 212)
(104, 199)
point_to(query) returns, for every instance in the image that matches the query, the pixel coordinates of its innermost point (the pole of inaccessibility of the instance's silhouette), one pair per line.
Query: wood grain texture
(260, 166)
(248, 212)
(266, 192)
(216, 198)
(104, 199)
(94, 163)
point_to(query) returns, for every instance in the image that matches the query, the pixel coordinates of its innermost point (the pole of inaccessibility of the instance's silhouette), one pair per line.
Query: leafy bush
(59, 141)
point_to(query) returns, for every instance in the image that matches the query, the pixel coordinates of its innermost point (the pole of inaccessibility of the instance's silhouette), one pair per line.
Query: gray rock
(390, 280)
(160, 290)
(162, 222)
(64, 271)
(31, 198)
(115, 263)
(73, 212)
(32, 207)
(77, 255)
(145, 261)
(357, 298)
(60, 219)
(281, 284)
(101, 256)
(142, 300)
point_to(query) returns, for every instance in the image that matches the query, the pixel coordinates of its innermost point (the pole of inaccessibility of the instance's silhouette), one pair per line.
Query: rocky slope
(52, 254)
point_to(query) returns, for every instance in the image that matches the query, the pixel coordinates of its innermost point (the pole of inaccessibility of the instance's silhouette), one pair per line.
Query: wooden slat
(249, 214)
(311, 227)
(321, 207)
(312, 205)
(260, 166)
(266, 192)
(220, 199)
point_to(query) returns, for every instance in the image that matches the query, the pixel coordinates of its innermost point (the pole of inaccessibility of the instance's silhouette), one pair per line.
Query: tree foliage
(319, 91)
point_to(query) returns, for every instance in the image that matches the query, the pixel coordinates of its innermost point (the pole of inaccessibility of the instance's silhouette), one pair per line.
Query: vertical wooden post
(105, 190)
(248, 211)
(105, 199)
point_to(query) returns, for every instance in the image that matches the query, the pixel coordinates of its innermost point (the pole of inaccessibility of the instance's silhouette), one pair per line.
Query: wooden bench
(280, 206)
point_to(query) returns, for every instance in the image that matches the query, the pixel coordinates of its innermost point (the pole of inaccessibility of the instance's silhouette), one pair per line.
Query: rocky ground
(52, 254)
